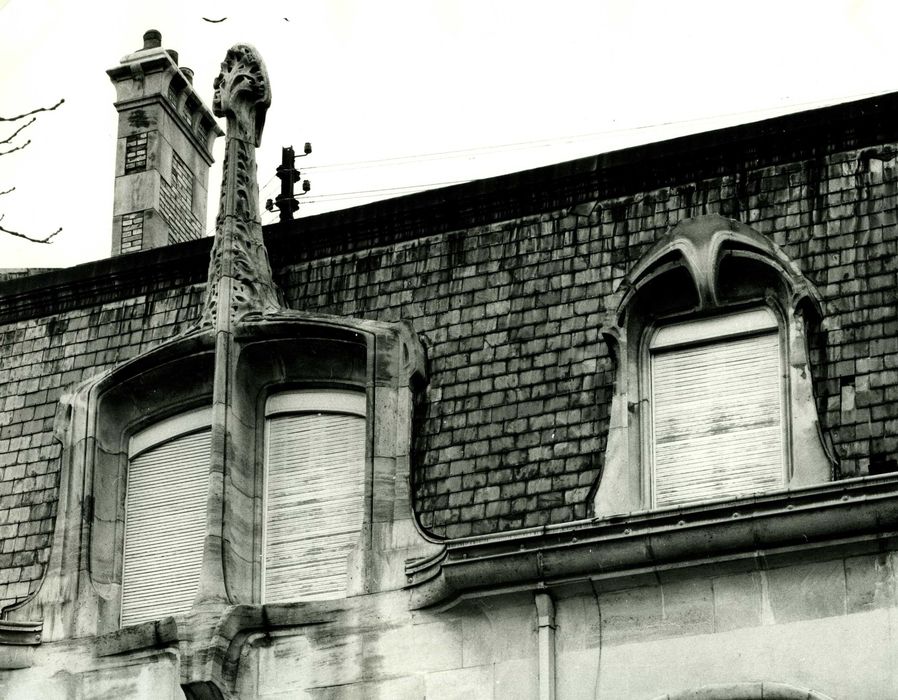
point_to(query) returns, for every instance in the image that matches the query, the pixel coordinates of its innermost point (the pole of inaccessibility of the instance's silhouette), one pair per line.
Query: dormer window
(716, 397)
(312, 483)
(713, 396)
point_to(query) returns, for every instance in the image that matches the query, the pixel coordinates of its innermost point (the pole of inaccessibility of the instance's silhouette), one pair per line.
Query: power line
(539, 143)
(381, 193)
(353, 194)
(386, 192)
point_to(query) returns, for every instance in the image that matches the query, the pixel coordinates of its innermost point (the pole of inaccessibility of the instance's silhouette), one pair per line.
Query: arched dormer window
(713, 396)
(326, 408)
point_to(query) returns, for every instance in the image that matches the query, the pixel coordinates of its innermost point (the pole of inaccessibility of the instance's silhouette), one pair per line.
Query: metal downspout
(545, 623)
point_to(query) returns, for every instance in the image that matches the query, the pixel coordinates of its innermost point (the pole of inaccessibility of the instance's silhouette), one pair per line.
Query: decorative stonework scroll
(239, 272)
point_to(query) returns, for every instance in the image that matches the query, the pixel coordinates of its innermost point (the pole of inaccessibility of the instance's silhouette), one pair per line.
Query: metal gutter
(749, 533)
(17, 643)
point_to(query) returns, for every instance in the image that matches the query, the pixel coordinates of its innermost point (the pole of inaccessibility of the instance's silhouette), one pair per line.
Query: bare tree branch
(29, 238)
(17, 148)
(19, 130)
(33, 111)
(8, 142)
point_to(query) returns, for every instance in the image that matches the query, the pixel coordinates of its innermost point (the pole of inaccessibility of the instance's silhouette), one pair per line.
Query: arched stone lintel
(699, 245)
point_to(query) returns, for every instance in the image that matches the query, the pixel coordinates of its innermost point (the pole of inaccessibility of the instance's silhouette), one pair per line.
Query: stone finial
(240, 280)
(242, 93)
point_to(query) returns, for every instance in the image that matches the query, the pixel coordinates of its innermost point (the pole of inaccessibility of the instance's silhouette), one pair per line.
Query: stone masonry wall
(514, 425)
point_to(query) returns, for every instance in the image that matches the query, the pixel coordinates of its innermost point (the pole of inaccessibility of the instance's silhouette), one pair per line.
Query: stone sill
(852, 515)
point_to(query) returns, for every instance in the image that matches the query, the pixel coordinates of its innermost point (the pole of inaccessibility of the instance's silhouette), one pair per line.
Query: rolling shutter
(315, 491)
(165, 525)
(717, 419)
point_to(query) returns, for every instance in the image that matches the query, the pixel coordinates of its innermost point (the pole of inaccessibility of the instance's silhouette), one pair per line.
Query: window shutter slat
(165, 525)
(717, 424)
(314, 503)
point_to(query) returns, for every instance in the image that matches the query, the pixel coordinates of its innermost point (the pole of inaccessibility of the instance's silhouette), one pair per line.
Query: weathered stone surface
(793, 651)
(807, 591)
(740, 601)
(488, 648)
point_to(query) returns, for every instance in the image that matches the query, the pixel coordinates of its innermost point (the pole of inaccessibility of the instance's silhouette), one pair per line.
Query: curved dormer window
(713, 396)
(308, 504)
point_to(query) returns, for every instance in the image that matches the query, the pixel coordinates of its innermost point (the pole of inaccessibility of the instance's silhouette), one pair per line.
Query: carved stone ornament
(239, 272)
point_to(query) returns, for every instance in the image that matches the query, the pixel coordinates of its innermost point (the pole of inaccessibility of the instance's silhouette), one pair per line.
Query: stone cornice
(744, 534)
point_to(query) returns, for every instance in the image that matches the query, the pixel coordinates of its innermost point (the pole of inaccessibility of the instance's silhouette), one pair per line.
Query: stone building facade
(523, 533)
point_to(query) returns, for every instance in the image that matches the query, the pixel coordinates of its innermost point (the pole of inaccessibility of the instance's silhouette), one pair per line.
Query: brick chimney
(165, 137)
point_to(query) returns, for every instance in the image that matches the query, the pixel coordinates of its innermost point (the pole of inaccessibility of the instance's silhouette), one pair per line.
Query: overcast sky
(400, 95)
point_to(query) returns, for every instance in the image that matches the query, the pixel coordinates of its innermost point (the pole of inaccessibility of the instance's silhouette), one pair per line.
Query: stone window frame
(81, 590)
(704, 267)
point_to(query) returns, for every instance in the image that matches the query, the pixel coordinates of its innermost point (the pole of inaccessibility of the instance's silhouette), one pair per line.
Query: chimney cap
(152, 39)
